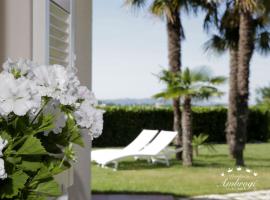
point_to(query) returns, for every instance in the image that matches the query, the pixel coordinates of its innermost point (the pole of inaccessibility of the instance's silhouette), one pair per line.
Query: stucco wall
(16, 29)
(83, 9)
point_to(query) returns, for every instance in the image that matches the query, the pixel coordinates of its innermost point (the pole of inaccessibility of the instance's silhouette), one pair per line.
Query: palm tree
(228, 39)
(246, 46)
(189, 85)
(171, 11)
(245, 51)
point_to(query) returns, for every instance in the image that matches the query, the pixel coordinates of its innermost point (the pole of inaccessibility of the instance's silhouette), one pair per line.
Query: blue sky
(129, 47)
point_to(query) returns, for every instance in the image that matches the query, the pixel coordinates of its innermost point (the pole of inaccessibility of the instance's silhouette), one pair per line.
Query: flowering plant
(43, 111)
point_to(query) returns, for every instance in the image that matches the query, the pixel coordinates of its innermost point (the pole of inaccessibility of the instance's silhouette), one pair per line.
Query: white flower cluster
(3, 144)
(84, 115)
(23, 84)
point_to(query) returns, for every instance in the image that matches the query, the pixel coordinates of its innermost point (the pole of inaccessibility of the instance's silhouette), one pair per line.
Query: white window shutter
(60, 35)
(61, 51)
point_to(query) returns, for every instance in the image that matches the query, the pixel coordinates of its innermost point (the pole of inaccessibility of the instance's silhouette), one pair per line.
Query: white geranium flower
(21, 66)
(57, 82)
(85, 94)
(53, 108)
(66, 98)
(72, 78)
(84, 116)
(97, 126)
(3, 174)
(3, 144)
(17, 95)
(52, 76)
(89, 119)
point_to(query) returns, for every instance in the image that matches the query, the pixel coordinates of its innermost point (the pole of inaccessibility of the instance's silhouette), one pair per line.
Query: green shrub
(123, 124)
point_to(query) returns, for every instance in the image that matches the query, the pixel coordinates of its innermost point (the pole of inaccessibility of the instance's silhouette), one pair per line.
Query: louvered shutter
(59, 35)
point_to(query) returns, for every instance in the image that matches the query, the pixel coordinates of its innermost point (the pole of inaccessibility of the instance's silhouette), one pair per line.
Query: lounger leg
(115, 166)
(164, 160)
(167, 161)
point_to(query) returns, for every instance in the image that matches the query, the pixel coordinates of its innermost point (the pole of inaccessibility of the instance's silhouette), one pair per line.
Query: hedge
(123, 124)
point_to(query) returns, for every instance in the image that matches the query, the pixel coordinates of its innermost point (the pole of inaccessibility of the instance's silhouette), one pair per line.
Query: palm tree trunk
(174, 55)
(187, 132)
(232, 108)
(246, 47)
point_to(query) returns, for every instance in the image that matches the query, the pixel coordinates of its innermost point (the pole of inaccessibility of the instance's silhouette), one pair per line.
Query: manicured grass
(203, 178)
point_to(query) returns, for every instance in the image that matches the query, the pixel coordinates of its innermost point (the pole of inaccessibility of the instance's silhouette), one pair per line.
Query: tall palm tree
(245, 51)
(228, 39)
(246, 46)
(171, 11)
(189, 85)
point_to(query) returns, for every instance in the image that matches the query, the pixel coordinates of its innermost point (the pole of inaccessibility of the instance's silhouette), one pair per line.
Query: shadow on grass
(202, 161)
(108, 192)
(144, 165)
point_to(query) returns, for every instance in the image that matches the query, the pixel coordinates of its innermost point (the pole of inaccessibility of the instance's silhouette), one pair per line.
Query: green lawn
(203, 178)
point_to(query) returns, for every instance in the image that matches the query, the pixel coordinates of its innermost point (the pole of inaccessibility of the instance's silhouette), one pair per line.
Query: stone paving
(258, 195)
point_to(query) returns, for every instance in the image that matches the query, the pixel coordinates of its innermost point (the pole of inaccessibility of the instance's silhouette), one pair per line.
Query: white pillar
(82, 41)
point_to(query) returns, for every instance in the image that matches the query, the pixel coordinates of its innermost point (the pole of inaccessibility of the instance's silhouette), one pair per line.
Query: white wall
(16, 29)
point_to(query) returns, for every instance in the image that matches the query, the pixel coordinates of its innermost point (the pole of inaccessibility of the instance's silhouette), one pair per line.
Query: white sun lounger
(155, 151)
(138, 143)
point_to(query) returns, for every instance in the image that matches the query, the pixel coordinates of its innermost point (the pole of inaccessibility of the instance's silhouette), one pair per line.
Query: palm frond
(201, 74)
(193, 83)
(217, 80)
(171, 93)
(205, 92)
(215, 44)
(263, 43)
(247, 5)
(211, 17)
(160, 8)
(136, 3)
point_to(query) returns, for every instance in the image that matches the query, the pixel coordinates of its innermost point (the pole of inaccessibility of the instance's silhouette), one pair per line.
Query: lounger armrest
(173, 151)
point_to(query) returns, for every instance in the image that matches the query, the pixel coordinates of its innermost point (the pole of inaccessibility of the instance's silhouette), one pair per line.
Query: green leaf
(13, 184)
(5, 135)
(43, 173)
(59, 169)
(50, 188)
(46, 123)
(75, 136)
(32, 146)
(34, 196)
(21, 123)
(73, 131)
(14, 160)
(30, 166)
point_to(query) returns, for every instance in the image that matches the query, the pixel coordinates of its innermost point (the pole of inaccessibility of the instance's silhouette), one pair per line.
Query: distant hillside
(127, 102)
(149, 101)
